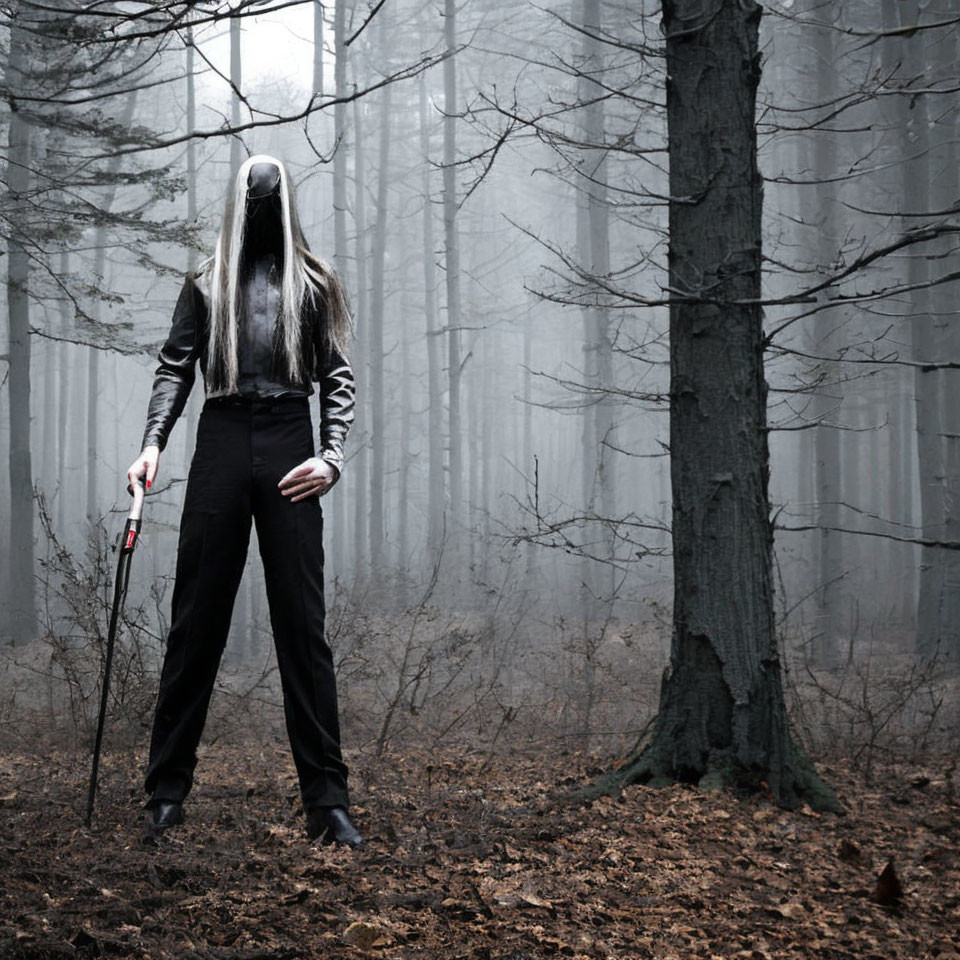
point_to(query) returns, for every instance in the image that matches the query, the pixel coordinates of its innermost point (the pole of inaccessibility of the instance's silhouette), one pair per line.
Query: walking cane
(130, 533)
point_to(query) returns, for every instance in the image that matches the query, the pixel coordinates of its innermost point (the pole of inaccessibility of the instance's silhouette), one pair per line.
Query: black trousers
(243, 449)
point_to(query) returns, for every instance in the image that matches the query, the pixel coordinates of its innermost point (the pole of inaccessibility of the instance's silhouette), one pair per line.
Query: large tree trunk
(22, 623)
(722, 718)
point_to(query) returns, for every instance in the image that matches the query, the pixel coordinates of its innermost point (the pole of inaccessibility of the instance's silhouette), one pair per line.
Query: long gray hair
(309, 286)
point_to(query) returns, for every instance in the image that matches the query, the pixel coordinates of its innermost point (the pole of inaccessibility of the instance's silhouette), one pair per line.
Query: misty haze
(652, 477)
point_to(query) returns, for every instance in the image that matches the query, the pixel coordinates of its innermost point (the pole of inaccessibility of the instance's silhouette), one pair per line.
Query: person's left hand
(313, 477)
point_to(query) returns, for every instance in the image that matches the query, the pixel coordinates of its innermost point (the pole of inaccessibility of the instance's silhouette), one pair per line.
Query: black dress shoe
(332, 825)
(161, 815)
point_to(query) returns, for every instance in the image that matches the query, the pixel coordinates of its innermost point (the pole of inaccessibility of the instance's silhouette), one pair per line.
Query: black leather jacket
(187, 343)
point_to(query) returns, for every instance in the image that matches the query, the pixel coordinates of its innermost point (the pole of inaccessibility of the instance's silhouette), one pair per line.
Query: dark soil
(467, 858)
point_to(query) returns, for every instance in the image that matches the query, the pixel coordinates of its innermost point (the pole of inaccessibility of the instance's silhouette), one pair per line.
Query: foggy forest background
(490, 180)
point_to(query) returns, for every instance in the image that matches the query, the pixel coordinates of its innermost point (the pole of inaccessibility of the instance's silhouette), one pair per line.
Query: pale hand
(313, 477)
(145, 465)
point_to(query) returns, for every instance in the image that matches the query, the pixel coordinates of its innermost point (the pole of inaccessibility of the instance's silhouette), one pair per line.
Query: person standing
(265, 318)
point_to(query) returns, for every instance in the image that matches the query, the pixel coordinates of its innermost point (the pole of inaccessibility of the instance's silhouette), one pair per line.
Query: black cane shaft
(130, 533)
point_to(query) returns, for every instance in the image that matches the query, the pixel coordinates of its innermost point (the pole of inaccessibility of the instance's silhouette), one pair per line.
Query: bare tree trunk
(361, 364)
(452, 251)
(588, 455)
(529, 466)
(722, 718)
(435, 478)
(826, 402)
(594, 256)
(925, 344)
(236, 80)
(195, 400)
(484, 407)
(341, 253)
(598, 215)
(853, 491)
(236, 159)
(92, 459)
(471, 428)
(318, 48)
(48, 453)
(94, 450)
(945, 187)
(902, 559)
(406, 435)
(63, 413)
(22, 623)
(377, 438)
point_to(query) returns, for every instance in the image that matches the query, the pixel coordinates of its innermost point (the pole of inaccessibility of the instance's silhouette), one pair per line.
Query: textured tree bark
(722, 718)
(22, 623)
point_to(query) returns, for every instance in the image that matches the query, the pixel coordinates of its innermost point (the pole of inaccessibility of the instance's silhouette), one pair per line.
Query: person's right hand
(145, 465)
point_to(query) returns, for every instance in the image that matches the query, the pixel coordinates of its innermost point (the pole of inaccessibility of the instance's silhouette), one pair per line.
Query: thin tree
(236, 83)
(377, 298)
(452, 258)
(822, 214)
(435, 478)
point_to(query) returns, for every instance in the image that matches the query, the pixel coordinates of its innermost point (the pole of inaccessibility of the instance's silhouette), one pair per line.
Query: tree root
(789, 788)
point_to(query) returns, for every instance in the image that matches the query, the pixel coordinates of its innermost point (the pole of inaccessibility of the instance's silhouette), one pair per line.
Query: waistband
(260, 404)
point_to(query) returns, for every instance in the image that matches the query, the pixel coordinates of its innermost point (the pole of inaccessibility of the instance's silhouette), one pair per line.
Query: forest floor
(468, 857)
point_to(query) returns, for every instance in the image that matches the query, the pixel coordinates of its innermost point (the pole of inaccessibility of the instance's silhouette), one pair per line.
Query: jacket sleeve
(337, 396)
(177, 370)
